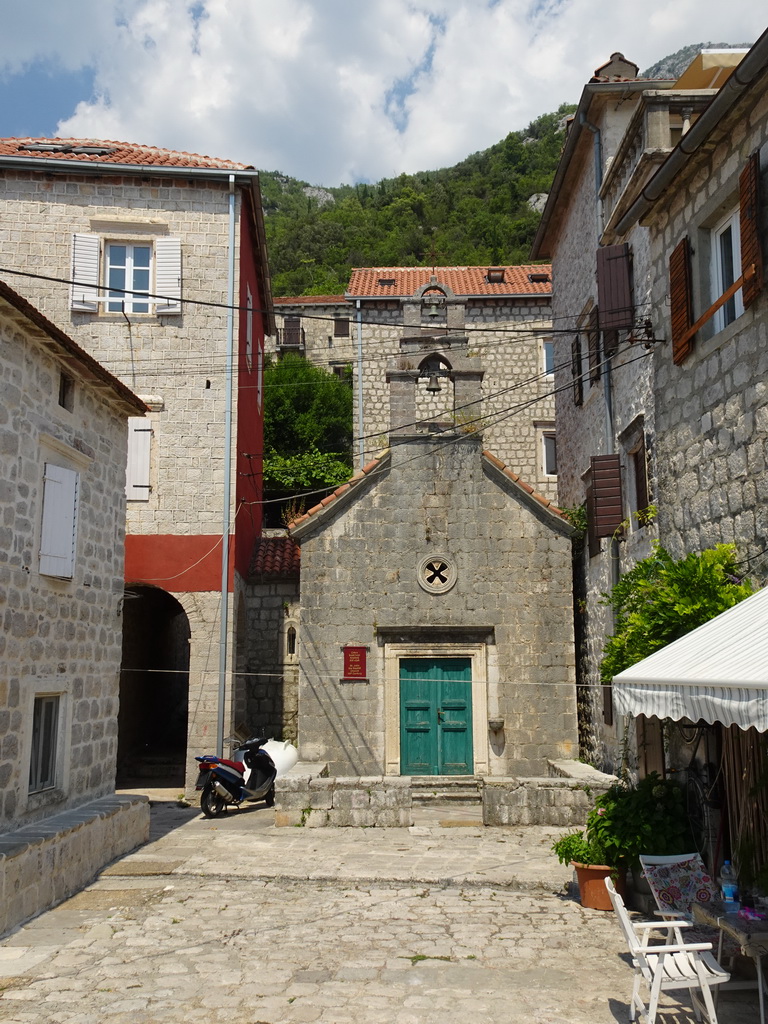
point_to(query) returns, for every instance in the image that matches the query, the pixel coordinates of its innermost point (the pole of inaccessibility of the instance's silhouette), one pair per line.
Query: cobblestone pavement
(235, 920)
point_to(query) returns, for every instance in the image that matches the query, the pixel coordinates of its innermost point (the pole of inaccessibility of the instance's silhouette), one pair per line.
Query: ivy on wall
(663, 598)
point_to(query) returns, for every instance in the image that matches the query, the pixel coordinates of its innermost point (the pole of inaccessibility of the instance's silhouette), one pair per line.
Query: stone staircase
(446, 790)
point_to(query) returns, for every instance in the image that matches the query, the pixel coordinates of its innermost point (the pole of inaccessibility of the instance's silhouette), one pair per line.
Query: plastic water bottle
(729, 888)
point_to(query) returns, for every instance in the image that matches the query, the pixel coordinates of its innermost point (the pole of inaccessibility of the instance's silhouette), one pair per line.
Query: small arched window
(290, 641)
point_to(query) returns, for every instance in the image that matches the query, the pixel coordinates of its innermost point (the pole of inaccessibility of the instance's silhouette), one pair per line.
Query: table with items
(748, 928)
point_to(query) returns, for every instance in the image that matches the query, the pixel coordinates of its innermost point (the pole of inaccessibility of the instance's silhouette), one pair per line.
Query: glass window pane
(141, 280)
(141, 255)
(549, 357)
(116, 277)
(116, 255)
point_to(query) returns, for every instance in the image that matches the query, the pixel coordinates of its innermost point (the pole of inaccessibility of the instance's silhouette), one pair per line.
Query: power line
(467, 328)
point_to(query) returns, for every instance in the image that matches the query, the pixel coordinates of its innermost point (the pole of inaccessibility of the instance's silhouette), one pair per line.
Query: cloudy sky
(329, 91)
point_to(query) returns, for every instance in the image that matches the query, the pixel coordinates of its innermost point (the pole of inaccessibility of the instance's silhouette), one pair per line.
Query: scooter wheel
(269, 799)
(211, 803)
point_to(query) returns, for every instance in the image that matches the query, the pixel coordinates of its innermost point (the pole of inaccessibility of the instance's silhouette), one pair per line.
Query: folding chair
(668, 967)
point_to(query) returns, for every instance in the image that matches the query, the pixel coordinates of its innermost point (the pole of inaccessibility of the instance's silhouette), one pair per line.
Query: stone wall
(269, 672)
(712, 411)
(565, 797)
(43, 864)
(313, 802)
(60, 637)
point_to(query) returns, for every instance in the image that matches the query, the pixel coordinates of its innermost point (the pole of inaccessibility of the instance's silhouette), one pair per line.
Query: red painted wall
(176, 563)
(247, 513)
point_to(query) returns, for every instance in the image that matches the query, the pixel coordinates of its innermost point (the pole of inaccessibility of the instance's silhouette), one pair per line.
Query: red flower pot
(591, 879)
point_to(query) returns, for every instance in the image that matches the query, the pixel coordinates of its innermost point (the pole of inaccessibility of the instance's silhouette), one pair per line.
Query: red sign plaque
(354, 662)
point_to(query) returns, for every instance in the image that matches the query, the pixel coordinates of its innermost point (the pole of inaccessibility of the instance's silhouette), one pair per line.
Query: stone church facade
(436, 621)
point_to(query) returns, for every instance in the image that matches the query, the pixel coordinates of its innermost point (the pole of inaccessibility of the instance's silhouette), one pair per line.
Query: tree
(662, 599)
(307, 426)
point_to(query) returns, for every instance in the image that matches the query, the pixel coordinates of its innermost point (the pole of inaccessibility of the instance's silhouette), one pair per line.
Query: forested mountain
(477, 212)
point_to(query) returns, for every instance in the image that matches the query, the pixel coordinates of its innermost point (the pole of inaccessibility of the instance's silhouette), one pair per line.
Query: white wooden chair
(668, 967)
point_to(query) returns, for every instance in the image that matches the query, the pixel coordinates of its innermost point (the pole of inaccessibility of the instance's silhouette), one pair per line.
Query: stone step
(445, 789)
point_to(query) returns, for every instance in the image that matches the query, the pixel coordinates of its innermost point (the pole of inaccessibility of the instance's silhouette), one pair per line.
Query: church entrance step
(461, 790)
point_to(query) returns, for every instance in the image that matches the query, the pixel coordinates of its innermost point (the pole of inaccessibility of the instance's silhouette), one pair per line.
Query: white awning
(718, 672)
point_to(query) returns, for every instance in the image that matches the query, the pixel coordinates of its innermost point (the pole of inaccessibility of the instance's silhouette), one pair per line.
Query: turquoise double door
(436, 716)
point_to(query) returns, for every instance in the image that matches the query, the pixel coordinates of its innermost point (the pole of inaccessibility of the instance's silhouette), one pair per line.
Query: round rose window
(436, 574)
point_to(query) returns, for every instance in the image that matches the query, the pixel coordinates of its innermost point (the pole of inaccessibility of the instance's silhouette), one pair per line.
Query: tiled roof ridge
(453, 266)
(12, 146)
(290, 300)
(503, 468)
(353, 482)
(637, 78)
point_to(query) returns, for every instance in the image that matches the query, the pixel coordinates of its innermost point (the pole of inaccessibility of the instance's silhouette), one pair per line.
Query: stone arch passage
(154, 690)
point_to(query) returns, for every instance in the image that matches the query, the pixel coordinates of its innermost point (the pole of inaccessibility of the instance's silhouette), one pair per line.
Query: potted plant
(626, 821)
(589, 859)
(649, 817)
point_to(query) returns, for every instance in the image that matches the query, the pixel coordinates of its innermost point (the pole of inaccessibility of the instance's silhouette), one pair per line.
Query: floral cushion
(676, 886)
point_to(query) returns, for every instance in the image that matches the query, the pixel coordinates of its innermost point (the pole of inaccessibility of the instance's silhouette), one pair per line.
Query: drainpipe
(597, 149)
(223, 639)
(361, 434)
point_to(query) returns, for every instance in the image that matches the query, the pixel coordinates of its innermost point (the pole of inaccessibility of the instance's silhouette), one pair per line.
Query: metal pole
(361, 431)
(223, 637)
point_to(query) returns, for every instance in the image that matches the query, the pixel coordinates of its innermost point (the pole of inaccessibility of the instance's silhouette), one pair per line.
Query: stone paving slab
(270, 946)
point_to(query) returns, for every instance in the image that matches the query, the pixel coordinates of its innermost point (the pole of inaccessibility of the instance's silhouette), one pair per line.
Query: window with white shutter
(118, 276)
(59, 528)
(168, 276)
(137, 485)
(84, 294)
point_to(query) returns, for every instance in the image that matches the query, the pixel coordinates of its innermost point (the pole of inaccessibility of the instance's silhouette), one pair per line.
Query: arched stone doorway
(154, 690)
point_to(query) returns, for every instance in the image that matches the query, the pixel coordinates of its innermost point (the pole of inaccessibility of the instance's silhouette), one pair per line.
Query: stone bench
(45, 862)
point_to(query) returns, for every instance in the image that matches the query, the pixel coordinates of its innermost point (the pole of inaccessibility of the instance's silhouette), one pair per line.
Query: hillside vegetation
(475, 213)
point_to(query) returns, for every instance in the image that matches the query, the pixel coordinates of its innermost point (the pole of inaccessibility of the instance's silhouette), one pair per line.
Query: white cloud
(338, 90)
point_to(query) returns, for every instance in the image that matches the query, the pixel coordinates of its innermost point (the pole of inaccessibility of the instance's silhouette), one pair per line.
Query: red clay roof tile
(103, 151)
(366, 282)
(275, 557)
(309, 300)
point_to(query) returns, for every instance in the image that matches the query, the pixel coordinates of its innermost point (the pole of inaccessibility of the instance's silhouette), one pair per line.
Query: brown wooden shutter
(593, 336)
(608, 506)
(681, 301)
(292, 331)
(614, 288)
(749, 210)
(593, 541)
(578, 383)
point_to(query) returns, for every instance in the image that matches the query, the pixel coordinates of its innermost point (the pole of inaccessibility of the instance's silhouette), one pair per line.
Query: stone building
(435, 633)
(504, 311)
(63, 442)
(154, 261)
(705, 212)
(605, 306)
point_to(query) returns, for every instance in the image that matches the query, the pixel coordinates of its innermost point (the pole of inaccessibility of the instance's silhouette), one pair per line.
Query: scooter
(248, 776)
